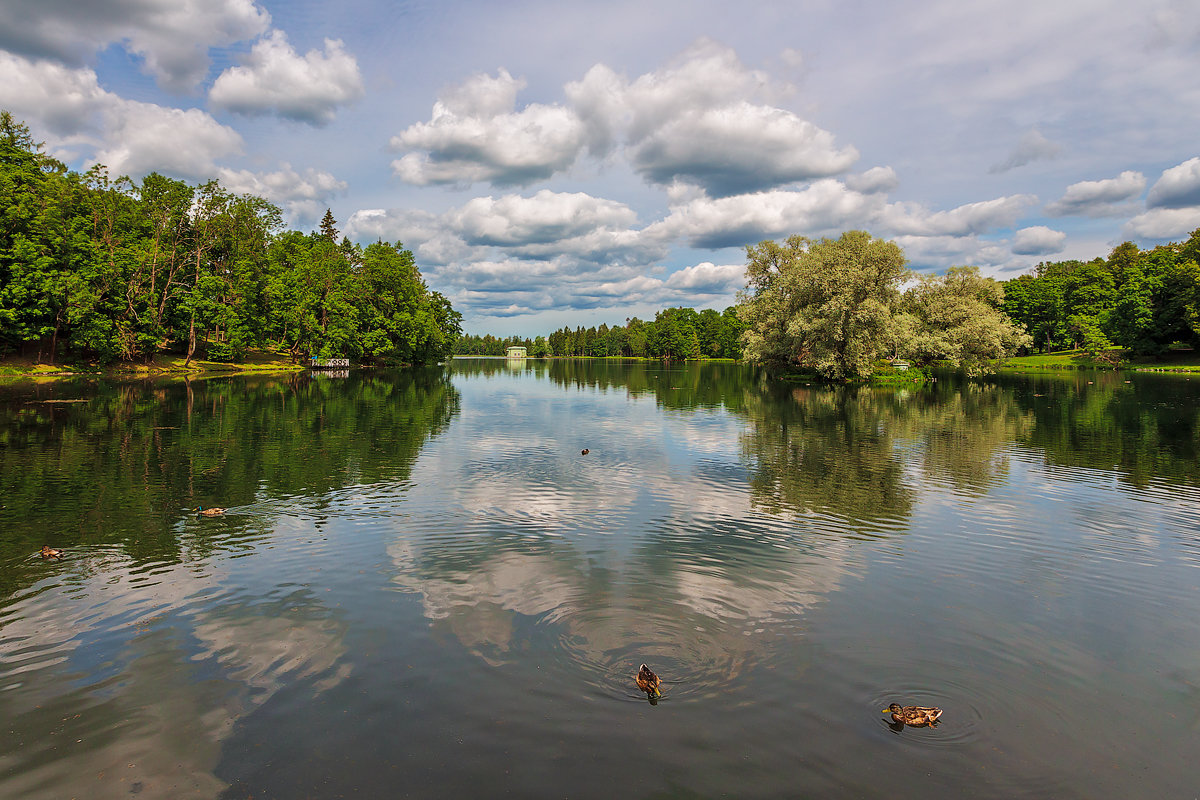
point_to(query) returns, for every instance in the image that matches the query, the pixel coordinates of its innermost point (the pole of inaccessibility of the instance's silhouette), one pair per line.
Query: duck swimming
(49, 552)
(210, 512)
(916, 716)
(648, 682)
(584, 451)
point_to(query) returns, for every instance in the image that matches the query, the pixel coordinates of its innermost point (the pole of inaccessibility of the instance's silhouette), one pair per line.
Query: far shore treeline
(112, 270)
(843, 308)
(673, 334)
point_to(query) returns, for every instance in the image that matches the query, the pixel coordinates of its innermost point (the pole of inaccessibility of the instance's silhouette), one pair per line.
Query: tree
(956, 317)
(826, 304)
(329, 227)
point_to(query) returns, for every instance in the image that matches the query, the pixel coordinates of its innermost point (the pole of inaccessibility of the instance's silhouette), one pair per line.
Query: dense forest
(673, 334)
(116, 270)
(1142, 300)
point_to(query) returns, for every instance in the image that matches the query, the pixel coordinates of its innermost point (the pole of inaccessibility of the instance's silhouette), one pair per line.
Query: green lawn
(1175, 361)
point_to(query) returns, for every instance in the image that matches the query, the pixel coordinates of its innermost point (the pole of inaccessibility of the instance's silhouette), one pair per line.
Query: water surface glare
(422, 588)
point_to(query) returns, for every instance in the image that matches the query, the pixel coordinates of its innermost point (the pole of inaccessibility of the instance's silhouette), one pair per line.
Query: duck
(49, 552)
(648, 682)
(210, 512)
(584, 451)
(916, 716)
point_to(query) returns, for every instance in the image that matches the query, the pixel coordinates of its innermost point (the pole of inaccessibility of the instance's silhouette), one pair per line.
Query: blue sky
(552, 163)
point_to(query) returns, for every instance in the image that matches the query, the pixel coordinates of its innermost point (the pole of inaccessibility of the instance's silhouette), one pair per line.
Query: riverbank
(1174, 361)
(163, 364)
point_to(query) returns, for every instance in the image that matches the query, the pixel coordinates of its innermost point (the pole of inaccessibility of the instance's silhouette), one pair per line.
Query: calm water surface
(422, 589)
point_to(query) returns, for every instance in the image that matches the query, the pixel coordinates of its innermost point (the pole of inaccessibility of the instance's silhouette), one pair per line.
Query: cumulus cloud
(276, 80)
(939, 252)
(970, 218)
(1105, 198)
(876, 179)
(143, 138)
(825, 206)
(1178, 187)
(545, 217)
(1038, 241)
(693, 121)
(709, 277)
(305, 195)
(1032, 147)
(475, 134)
(433, 243)
(738, 148)
(128, 136)
(171, 37)
(697, 120)
(1163, 223)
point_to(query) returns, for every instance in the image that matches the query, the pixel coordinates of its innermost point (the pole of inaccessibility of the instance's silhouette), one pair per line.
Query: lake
(422, 588)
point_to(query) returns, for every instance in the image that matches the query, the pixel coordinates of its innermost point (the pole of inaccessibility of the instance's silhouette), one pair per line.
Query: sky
(557, 164)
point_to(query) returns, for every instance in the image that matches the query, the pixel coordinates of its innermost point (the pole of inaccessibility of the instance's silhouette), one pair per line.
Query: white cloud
(825, 206)
(171, 36)
(1178, 187)
(143, 137)
(544, 218)
(709, 276)
(48, 95)
(876, 179)
(431, 241)
(1105, 198)
(475, 135)
(970, 218)
(275, 80)
(1032, 147)
(737, 148)
(305, 195)
(1163, 223)
(693, 121)
(1038, 241)
(939, 252)
(128, 136)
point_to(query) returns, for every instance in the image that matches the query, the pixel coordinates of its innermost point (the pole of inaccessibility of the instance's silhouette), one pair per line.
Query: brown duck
(916, 716)
(49, 552)
(210, 512)
(648, 682)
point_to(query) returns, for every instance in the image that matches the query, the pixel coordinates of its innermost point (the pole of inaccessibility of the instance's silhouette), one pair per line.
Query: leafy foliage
(1144, 301)
(113, 270)
(835, 307)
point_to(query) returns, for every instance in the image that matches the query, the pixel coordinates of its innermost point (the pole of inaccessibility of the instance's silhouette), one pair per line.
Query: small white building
(899, 364)
(516, 352)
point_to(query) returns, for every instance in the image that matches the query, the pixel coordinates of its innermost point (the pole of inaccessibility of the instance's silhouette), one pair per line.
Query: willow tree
(825, 305)
(956, 317)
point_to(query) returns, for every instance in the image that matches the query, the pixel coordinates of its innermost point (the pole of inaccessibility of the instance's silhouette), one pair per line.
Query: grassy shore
(162, 364)
(1174, 361)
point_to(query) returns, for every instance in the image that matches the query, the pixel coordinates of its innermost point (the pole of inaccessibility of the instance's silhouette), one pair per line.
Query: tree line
(117, 270)
(1142, 300)
(674, 334)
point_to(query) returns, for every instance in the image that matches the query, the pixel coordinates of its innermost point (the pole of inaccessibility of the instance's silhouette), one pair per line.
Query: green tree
(826, 304)
(956, 317)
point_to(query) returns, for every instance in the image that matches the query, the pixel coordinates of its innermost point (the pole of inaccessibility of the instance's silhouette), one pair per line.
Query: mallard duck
(210, 512)
(916, 716)
(49, 552)
(584, 451)
(648, 682)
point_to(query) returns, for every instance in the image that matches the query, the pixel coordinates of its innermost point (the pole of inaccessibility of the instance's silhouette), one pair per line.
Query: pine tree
(329, 227)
